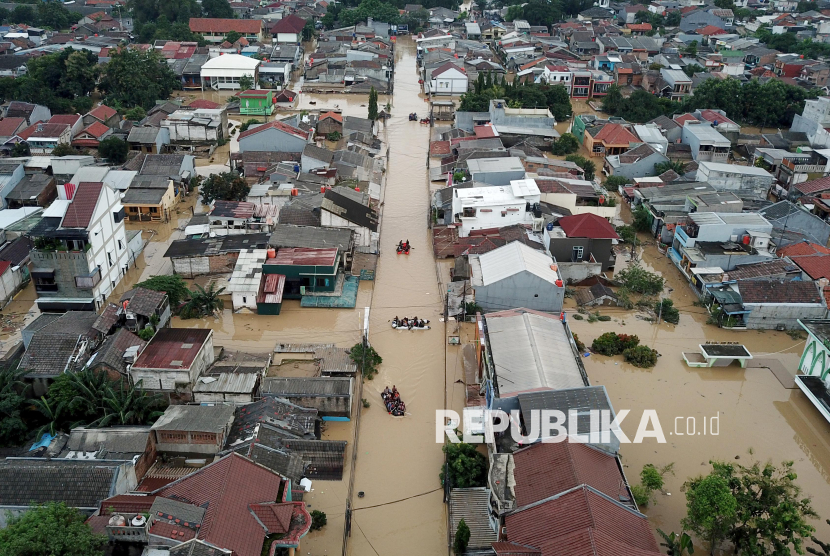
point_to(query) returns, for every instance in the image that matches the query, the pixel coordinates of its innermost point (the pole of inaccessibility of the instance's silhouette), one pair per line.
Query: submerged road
(398, 460)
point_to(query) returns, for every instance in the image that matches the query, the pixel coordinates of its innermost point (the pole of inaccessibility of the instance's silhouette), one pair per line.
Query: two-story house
(481, 208)
(80, 248)
(173, 360)
(706, 143)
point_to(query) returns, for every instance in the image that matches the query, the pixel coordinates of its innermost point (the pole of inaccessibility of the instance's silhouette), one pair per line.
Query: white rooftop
(248, 271)
(734, 218)
(707, 134)
(231, 62)
(487, 196)
(531, 351)
(10, 216)
(734, 168)
(524, 188)
(56, 209)
(495, 164)
(90, 173)
(120, 179)
(509, 260)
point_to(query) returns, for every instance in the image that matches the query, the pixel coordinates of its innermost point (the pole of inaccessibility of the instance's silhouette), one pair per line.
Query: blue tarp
(45, 440)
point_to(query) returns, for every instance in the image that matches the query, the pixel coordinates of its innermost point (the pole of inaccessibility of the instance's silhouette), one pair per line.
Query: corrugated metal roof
(198, 418)
(472, 505)
(316, 386)
(232, 383)
(531, 350)
(511, 259)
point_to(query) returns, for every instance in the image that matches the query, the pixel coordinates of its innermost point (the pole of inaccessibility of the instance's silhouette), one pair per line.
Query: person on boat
(400, 245)
(406, 245)
(396, 321)
(414, 322)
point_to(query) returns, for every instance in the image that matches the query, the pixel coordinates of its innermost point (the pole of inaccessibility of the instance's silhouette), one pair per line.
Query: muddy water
(755, 412)
(398, 460)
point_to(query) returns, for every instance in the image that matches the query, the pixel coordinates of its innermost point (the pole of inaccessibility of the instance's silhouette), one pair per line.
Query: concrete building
(480, 208)
(245, 280)
(495, 171)
(224, 72)
(638, 162)
(203, 125)
(516, 275)
(778, 304)
(81, 251)
(330, 396)
(448, 79)
(706, 142)
(173, 360)
(149, 199)
(274, 136)
(731, 177)
(216, 29)
(193, 430)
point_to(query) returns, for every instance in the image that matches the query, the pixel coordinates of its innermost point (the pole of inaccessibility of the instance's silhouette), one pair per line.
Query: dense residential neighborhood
(384, 278)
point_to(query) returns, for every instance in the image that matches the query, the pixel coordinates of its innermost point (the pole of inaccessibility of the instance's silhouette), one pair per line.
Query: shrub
(365, 402)
(614, 182)
(587, 165)
(467, 466)
(641, 356)
(334, 136)
(462, 538)
(603, 318)
(642, 219)
(248, 123)
(566, 144)
(578, 317)
(580, 345)
(318, 520)
(667, 311)
(611, 343)
(146, 334)
(367, 359)
(627, 234)
(641, 495)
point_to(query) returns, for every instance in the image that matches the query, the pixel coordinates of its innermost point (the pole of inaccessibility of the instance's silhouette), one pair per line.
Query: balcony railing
(804, 168)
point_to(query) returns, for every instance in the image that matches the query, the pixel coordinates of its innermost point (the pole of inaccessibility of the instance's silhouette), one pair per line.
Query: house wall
(7, 187)
(308, 163)
(568, 201)
(188, 442)
(293, 38)
(244, 299)
(189, 267)
(574, 272)
(362, 235)
(167, 380)
(329, 125)
(523, 289)
(640, 169)
(10, 282)
(448, 86)
(770, 315)
(561, 249)
(734, 181)
(223, 397)
(272, 140)
(340, 406)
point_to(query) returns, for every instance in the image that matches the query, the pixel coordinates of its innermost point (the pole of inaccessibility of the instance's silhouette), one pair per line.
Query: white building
(247, 274)
(481, 208)
(81, 252)
(203, 125)
(557, 75)
(448, 79)
(732, 177)
(224, 72)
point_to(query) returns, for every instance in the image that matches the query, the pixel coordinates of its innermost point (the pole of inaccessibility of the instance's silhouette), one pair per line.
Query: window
(133, 209)
(578, 252)
(109, 257)
(154, 209)
(120, 245)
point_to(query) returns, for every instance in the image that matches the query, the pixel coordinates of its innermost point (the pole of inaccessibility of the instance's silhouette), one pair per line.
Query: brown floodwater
(756, 413)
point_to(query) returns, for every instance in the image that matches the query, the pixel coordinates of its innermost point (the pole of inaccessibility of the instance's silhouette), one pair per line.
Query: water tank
(549, 226)
(559, 283)
(117, 521)
(296, 167)
(746, 240)
(138, 521)
(272, 253)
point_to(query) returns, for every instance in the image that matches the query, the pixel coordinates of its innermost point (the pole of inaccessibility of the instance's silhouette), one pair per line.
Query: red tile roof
(275, 517)
(546, 469)
(639, 26)
(615, 134)
(80, 210)
(96, 129)
(173, 348)
(219, 25)
(712, 116)
(588, 225)
(814, 186)
(289, 24)
(170, 531)
(291, 130)
(582, 523)
(439, 148)
(333, 115)
(710, 30)
(304, 256)
(447, 67)
(505, 548)
(779, 291)
(485, 131)
(4, 266)
(202, 103)
(683, 118)
(816, 266)
(69, 119)
(8, 126)
(228, 488)
(41, 129)
(802, 248)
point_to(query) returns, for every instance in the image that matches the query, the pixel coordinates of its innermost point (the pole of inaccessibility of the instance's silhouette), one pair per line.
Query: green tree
(373, 104)
(23, 14)
(248, 123)
(227, 186)
(692, 69)
(318, 520)
(587, 165)
(642, 219)
(217, 9)
(676, 545)
(246, 82)
(53, 414)
(308, 31)
(639, 280)
(613, 100)
(137, 78)
(204, 302)
(146, 334)
(676, 165)
(462, 538)
(173, 285)
(691, 49)
(673, 18)
(63, 149)
(126, 404)
(13, 429)
(559, 102)
(114, 149)
(711, 509)
(613, 182)
(641, 356)
(52, 529)
(467, 467)
(366, 358)
(21, 149)
(233, 36)
(566, 144)
(136, 113)
(514, 12)
(173, 11)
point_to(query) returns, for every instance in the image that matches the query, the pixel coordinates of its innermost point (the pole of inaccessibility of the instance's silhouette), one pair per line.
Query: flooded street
(398, 460)
(755, 411)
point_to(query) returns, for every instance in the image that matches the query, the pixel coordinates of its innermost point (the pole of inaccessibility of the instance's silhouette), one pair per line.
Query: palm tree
(127, 405)
(675, 544)
(52, 411)
(91, 389)
(204, 302)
